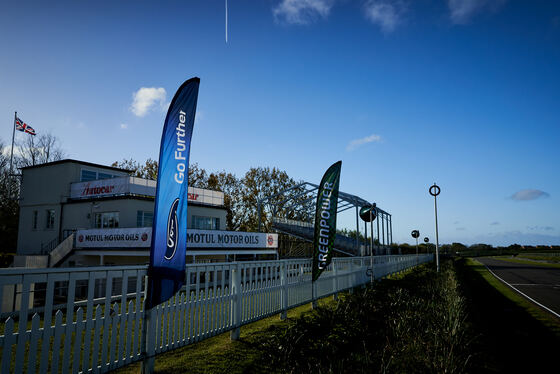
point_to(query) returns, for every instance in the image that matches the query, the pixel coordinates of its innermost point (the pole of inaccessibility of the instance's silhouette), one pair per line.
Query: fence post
(284, 290)
(352, 277)
(335, 280)
(149, 334)
(235, 302)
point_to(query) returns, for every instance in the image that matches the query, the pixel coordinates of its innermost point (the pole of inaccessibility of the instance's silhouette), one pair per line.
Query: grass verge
(551, 257)
(527, 261)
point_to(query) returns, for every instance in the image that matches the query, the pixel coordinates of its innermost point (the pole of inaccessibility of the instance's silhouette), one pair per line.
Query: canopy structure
(292, 211)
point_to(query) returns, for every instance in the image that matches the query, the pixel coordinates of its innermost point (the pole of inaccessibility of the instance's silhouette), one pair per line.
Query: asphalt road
(540, 283)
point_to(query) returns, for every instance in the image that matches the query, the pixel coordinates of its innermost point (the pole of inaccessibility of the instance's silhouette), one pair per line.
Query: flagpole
(12, 154)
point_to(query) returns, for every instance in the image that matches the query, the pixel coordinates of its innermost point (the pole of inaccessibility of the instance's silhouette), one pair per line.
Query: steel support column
(391, 225)
(357, 230)
(365, 230)
(383, 228)
(378, 218)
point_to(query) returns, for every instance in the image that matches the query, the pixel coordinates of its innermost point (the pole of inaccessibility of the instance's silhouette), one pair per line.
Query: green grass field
(546, 257)
(528, 261)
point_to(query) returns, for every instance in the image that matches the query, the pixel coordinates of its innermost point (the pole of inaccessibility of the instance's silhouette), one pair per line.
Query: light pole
(416, 234)
(368, 214)
(434, 191)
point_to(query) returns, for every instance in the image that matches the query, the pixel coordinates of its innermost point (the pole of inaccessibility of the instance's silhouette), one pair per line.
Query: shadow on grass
(509, 338)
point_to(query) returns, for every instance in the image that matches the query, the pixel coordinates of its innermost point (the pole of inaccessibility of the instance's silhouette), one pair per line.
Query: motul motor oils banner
(141, 237)
(230, 239)
(114, 238)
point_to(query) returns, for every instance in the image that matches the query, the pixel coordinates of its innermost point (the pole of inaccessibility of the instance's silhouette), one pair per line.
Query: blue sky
(465, 93)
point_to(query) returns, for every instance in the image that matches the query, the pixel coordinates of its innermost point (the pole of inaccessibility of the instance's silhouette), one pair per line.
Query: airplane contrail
(226, 21)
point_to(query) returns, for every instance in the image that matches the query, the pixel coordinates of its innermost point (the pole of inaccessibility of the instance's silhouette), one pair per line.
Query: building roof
(68, 160)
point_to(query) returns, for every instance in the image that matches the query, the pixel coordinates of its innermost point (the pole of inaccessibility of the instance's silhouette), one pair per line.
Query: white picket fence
(90, 319)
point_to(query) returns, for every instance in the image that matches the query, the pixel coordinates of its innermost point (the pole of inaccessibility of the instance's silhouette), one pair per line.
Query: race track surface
(538, 282)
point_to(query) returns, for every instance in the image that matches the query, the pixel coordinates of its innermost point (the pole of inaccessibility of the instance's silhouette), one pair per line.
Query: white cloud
(385, 13)
(7, 150)
(124, 126)
(146, 98)
(528, 194)
(302, 12)
(359, 142)
(540, 228)
(461, 11)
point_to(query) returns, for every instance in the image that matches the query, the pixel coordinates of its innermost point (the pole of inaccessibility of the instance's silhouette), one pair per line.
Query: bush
(413, 324)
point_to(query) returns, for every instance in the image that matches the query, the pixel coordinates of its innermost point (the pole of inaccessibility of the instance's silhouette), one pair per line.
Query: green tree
(233, 191)
(198, 177)
(241, 195)
(351, 234)
(262, 182)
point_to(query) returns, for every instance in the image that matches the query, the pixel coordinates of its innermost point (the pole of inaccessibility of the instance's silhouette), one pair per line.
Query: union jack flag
(24, 127)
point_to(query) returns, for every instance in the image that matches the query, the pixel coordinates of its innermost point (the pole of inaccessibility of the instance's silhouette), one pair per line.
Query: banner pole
(313, 301)
(371, 249)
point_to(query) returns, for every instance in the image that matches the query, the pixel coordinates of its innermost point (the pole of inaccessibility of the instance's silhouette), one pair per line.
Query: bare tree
(39, 149)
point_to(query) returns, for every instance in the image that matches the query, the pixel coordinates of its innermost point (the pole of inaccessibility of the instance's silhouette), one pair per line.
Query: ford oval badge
(172, 231)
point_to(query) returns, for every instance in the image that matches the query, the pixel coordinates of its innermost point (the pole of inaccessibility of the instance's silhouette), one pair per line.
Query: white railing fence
(81, 320)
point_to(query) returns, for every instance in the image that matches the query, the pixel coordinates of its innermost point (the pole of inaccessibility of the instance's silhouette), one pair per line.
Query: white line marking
(533, 300)
(534, 284)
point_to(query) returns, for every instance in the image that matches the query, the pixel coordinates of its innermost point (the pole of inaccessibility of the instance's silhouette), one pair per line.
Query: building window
(205, 223)
(34, 220)
(104, 176)
(90, 175)
(106, 220)
(144, 219)
(50, 219)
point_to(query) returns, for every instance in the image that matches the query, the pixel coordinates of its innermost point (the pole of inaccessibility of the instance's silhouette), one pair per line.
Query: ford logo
(172, 231)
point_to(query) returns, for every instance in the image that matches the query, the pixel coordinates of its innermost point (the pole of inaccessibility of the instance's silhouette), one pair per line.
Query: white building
(75, 213)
